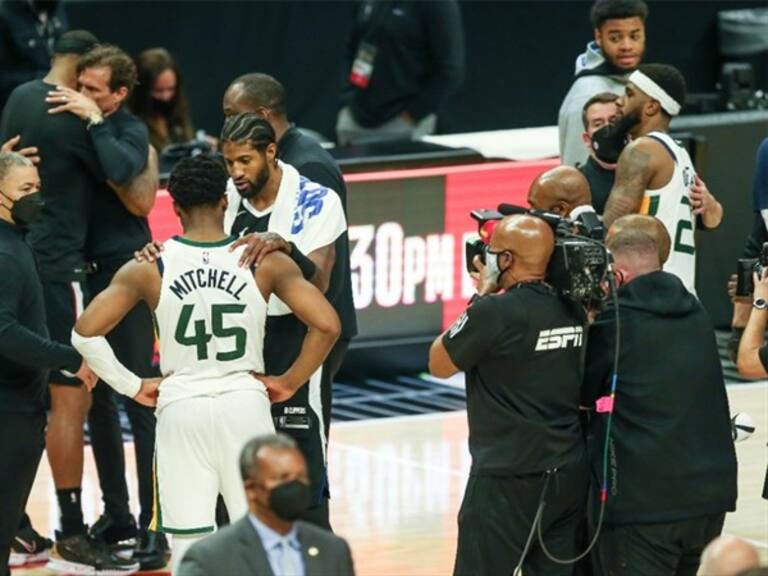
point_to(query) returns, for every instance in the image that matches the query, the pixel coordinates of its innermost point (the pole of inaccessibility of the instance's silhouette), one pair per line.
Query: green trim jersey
(671, 204)
(210, 320)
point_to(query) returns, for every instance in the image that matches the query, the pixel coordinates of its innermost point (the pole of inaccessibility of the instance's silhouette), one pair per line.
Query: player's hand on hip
(29, 152)
(277, 388)
(149, 391)
(258, 245)
(87, 376)
(149, 253)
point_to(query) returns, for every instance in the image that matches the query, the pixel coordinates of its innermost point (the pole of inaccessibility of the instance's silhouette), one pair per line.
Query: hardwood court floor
(397, 484)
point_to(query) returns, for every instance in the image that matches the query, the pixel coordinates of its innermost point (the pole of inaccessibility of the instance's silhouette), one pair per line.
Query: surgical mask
(25, 210)
(609, 141)
(289, 500)
(162, 107)
(492, 271)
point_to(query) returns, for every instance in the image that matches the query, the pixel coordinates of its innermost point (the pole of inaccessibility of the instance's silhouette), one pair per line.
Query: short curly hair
(669, 79)
(198, 181)
(603, 10)
(120, 64)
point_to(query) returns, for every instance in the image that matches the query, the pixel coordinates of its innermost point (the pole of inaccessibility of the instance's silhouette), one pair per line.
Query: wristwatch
(94, 119)
(760, 304)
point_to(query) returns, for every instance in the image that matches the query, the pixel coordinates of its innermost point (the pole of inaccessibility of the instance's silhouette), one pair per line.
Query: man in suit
(269, 541)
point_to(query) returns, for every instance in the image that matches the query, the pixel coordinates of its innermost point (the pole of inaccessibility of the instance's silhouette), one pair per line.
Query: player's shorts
(197, 452)
(64, 303)
(300, 417)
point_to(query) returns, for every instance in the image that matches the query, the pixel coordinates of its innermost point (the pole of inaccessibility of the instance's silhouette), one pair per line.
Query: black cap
(75, 42)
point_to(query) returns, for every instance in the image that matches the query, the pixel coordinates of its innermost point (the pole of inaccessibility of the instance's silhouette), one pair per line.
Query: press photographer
(752, 360)
(520, 344)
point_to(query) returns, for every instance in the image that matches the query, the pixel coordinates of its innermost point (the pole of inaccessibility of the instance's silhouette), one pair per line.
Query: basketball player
(655, 175)
(210, 315)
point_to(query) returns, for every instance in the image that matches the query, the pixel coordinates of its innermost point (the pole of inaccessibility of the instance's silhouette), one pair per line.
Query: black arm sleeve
(445, 37)
(756, 238)
(20, 344)
(473, 333)
(123, 158)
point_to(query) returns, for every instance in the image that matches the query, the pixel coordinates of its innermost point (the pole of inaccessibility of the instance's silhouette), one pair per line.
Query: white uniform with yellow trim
(671, 204)
(210, 318)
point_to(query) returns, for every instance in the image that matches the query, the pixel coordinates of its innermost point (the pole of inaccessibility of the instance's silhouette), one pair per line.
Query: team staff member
(265, 96)
(599, 111)
(26, 352)
(521, 350)
(673, 467)
(655, 175)
(117, 227)
(69, 172)
(405, 58)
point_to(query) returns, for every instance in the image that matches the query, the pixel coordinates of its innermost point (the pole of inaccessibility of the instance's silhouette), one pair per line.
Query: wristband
(307, 267)
(101, 358)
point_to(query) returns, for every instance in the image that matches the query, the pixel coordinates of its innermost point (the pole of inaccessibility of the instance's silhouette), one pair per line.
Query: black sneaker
(29, 547)
(116, 536)
(80, 554)
(152, 551)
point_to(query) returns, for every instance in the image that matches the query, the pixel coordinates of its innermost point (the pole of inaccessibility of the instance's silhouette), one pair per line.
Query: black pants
(669, 549)
(133, 343)
(22, 440)
(497, 515)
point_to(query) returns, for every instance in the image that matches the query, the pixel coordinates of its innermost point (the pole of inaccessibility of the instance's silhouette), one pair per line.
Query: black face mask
(289, 500)
(162, 107)
(609, 141)
(26, 210)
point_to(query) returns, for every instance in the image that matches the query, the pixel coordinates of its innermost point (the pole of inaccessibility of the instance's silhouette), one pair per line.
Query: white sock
(179, 546)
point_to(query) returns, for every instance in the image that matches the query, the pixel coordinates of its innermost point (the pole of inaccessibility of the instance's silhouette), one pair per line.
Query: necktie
(287, 563)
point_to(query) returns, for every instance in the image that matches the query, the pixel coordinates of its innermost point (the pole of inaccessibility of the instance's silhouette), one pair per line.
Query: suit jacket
(237, 550)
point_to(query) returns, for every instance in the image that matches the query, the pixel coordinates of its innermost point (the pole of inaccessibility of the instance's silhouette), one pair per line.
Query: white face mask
(492, 271)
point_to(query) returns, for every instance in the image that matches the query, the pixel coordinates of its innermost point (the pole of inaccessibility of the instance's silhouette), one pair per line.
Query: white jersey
(210, 319)
(672, 205)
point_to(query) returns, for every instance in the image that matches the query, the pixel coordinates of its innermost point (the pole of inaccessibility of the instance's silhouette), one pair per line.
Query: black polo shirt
(522, 354)
(26, 353)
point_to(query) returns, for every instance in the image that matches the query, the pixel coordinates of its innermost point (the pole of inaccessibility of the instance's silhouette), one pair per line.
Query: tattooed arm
(633, 173)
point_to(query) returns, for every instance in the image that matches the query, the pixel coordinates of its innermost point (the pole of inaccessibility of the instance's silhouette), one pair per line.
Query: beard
(256, 186)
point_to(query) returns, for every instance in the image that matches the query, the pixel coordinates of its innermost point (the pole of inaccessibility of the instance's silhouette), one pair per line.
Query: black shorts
(64, 303)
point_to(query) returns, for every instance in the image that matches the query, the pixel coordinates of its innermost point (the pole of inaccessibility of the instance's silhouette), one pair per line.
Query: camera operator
(648, 224)
(752, 360)
(672, 474)
(560, 190)
(520, 344)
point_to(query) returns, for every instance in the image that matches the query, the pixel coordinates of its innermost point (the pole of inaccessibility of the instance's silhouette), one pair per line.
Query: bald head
(728, 556)
(257, 93)
(648, 224)
(529, 241)
(559, 190)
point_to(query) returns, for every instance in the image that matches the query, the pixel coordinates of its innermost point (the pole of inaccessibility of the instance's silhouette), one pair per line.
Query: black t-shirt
(522, 354)
(69, 172)
(313, 162)
(122, 144)
(27, 353)
(600, 183)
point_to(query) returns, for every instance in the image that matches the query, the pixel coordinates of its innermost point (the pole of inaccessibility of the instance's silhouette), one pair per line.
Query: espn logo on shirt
(560, 338)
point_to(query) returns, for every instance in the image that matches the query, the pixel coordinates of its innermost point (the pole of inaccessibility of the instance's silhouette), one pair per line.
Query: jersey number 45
(201, 337)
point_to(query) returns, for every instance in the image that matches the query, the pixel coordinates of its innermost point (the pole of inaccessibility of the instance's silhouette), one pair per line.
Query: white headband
(656, 92)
